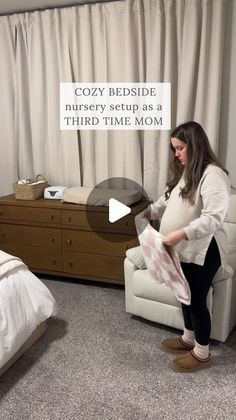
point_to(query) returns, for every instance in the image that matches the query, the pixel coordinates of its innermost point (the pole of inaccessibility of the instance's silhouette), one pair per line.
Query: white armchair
(156, 302)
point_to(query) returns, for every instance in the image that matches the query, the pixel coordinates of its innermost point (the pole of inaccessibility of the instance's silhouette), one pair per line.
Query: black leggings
(196, 316)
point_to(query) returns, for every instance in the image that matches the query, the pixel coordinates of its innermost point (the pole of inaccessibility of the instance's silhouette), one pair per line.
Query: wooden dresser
(55, 238)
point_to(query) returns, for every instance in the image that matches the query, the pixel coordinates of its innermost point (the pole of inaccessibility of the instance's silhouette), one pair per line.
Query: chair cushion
(146, 287)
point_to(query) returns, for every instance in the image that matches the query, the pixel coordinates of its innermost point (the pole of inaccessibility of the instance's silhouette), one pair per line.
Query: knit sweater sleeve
(157, 209)
(214, 192)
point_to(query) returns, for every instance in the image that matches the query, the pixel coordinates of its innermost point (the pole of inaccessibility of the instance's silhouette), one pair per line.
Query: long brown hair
(199, 155)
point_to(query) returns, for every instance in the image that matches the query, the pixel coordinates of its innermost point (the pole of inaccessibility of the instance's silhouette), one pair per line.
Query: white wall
(227, 151)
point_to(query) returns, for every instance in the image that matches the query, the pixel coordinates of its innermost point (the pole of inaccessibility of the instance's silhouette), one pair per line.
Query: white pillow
(136, 257)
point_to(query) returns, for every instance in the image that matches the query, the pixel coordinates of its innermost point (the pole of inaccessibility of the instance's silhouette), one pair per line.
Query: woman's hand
(146, 213)
(173, 238)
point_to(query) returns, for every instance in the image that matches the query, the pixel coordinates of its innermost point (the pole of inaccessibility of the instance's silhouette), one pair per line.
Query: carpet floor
(96, 362)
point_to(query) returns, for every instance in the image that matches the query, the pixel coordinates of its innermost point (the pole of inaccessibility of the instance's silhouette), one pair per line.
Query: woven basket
(30, 191)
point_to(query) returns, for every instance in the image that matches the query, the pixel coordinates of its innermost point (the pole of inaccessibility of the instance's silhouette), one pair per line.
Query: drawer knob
(71, 264)
(3, 235)
(54, 262)
(1, 213)
(69, 241)
(53, 240)
(69, 218)
(52, 217)
(126, 223)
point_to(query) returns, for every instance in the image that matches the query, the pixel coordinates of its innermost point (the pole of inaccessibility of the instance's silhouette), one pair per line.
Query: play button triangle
(117, 210)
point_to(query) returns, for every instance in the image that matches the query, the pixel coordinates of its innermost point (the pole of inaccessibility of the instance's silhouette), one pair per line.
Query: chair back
(230, 229)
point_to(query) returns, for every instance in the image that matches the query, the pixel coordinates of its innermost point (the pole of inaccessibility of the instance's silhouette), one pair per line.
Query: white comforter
(25, 302)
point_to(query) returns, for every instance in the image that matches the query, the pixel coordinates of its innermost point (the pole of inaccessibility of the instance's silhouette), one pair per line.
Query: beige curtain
(128, 41)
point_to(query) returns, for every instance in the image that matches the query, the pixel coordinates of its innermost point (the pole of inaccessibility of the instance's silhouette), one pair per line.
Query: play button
(117, 210)
(111, 208)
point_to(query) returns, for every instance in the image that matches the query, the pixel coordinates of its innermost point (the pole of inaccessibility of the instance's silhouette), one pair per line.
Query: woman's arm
(173, 238)
(153, 211)
(215, 191)
(157, 209)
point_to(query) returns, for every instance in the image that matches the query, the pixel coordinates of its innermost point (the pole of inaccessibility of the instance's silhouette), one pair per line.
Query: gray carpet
(97, 362)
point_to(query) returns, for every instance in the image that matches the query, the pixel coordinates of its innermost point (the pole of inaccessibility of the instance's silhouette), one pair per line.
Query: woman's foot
(190, 363)
(175, 345)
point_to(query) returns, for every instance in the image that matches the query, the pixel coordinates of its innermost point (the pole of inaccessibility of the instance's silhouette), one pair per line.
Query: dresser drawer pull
(69, 241)
(1, 213)
(71, 264)
(53, 240)
(3, 235)
(52, 217)
(69, 219)
(126, 223)
(54, 262)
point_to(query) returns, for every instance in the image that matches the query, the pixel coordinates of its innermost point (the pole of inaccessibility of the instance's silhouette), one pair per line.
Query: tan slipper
(175, 345)
(190, 363)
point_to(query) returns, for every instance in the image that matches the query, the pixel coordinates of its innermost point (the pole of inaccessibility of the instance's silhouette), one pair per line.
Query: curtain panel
(180, 42)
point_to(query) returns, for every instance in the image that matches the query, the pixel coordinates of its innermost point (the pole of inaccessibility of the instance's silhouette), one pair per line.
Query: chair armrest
(135, 256)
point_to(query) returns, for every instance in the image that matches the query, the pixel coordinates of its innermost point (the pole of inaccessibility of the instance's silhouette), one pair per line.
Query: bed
(25, 304)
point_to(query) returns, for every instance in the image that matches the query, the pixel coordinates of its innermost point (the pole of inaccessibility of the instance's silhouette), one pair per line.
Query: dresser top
(57, 204)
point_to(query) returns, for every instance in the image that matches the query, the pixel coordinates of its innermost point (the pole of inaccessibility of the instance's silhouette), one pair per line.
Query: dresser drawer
(98, 220)
(29, 214)
(56, 238)
(32, 236)
(36, 258)
(94, 266)
(89, 242)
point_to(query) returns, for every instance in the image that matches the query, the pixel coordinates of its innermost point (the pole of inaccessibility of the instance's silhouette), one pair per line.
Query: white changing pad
(100, 196)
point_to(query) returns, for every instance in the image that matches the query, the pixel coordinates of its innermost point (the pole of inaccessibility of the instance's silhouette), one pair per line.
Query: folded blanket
(77, 195)
(162, 262)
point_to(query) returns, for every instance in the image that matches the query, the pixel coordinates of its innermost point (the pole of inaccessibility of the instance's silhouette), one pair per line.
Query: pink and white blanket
(162, 262)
